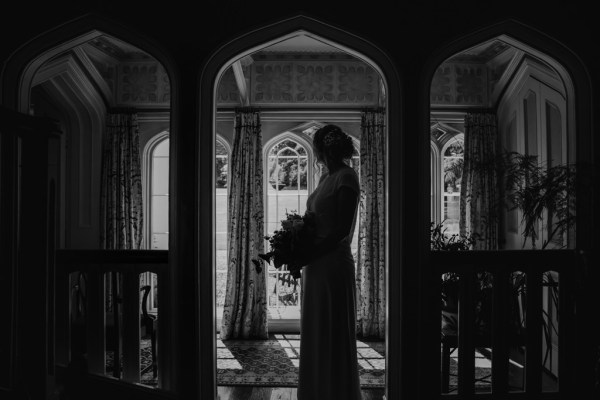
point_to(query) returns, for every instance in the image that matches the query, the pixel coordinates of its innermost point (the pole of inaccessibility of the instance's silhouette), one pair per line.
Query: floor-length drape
(479, 191)
(121, 210)
(245, 306)
(370, 274)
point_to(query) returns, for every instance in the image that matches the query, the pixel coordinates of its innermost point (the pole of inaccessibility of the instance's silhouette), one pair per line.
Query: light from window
(286, 191)
(221, 204)
(452, 167)
(159, 199)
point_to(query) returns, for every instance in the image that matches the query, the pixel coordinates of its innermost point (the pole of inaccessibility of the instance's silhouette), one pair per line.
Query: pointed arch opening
(508, 93)
(246, 73)
(78, 74)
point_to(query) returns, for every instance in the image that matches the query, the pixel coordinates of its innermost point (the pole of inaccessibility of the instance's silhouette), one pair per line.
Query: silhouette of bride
(328, 360)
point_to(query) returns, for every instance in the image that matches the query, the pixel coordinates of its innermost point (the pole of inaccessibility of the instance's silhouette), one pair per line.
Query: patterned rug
(483, 371)
(145, 361)
(274, 362)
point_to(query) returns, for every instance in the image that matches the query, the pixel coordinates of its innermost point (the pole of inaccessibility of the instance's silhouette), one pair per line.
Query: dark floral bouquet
(291, 244)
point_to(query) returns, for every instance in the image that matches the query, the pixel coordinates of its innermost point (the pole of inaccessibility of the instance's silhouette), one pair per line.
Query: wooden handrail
(500, 260)
(110, 260)
(96, 264)
(500, 265)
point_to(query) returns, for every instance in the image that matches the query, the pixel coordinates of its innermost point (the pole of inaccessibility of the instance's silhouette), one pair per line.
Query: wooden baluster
(131, 326)
(95, 318)
(500, 333)
(533, 368)
(63, 325)
(566, 331)
(466, 325)
(162, 333)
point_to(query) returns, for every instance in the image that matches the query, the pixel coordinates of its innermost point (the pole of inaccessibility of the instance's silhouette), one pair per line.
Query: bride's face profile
(320, 155)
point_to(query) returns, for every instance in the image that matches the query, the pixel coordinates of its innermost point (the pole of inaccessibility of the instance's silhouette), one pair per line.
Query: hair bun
(335, 142)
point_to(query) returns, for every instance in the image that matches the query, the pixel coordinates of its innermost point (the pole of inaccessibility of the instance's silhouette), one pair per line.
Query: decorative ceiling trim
(94, 74)
(507, 75)
(240, 80)
(154, 116)
(119, 50)
(68, 65)
(329, 115)
(265, 55)
(448, 116)
(537, 69)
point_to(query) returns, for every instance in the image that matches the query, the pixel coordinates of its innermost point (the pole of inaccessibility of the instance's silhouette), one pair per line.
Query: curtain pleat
(479, 188)
(121, 210)
(245, 306)
(370, 274)
(121, 207)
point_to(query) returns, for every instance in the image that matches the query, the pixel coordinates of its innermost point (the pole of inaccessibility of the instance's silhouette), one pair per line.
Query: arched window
(157, 193)
(452, 169)
(156, 210)
(287, 186)
(289, 179)
(435, 168)
(222, 152)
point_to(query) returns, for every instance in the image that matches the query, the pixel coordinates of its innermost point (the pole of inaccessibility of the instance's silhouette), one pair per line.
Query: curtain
(121, 210)
(245, 306)
(479, 191)
(370, 275)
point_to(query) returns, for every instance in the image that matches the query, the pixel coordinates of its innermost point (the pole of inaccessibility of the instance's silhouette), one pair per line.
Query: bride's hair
(332, 141)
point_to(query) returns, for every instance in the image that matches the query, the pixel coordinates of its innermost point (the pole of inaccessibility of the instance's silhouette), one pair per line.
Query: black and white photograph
(313, 200)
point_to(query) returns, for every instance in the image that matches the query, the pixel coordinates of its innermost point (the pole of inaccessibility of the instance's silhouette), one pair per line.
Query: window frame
(311, 184)
(147, 174)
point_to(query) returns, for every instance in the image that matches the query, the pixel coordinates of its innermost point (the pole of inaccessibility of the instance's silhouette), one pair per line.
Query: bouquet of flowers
(291, 244)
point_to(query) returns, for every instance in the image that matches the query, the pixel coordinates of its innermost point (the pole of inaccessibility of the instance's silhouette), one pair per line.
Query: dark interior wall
(46, 107)
(79, 152)
(408, 31)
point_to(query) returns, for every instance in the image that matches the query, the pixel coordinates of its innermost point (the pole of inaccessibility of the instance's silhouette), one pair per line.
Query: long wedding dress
(328, 360)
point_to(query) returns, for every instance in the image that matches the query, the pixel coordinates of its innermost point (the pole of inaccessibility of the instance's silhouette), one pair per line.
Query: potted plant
(538, 190)
(441, 241)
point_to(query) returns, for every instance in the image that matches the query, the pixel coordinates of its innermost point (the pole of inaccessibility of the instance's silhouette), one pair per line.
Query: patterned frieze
(460, 84)
(106, 69)
(228, 92)
(142, 83)
(314, 82)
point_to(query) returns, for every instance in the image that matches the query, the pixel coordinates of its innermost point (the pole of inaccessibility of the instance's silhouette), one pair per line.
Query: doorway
(295, 84)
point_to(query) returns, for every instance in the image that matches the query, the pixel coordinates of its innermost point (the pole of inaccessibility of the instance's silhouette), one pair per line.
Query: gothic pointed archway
(57, 57)
(574, 81)
(211, 73)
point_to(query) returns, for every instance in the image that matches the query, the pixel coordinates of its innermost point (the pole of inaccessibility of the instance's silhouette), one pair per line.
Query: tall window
(355, 164)
(221, 200)
(159, 197)
(156, 162)
(452, 170)
(287, 189)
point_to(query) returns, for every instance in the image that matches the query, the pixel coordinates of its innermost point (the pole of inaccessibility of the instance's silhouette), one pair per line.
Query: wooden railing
(87, 306)
(546, 273)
